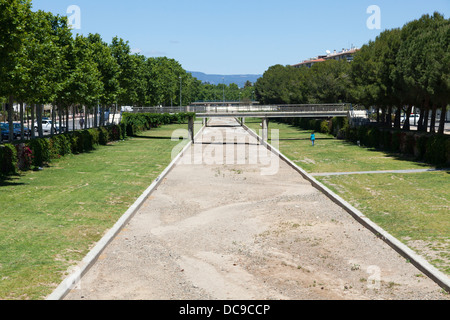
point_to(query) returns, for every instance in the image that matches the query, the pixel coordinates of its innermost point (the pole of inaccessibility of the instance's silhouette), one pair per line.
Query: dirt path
(230, 231)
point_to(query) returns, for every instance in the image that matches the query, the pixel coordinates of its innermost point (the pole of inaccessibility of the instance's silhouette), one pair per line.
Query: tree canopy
(43, 63)
(402, 68)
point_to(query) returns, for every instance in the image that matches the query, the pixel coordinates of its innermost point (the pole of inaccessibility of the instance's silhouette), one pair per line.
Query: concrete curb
(420, 263)
(73, 279)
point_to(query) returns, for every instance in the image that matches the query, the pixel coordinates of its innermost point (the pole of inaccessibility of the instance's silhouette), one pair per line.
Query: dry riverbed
(242, 230)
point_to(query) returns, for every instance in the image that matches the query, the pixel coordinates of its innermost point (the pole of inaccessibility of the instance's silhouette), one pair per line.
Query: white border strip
(71, 281)
(420, 263)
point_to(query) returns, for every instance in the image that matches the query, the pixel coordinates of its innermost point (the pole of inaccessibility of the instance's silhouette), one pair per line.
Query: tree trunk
(85, 117)
(66, 114)
(73, 118)
(407, 125)
(102, 116)
(96, 117)
(397, 121)
(389, 117)
(33, 130)
(442, 120)
(425, 120)
(420, 123)
(28, 119)
(60, 119)
(10, 118)
(433, 119)
(114, 114)
(52, 116)
(22, 130)
(39, 120)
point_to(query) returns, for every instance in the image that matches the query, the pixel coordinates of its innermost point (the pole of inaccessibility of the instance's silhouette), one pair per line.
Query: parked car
(5, 131)
(18, 131)
(47, 126)
(412, 118)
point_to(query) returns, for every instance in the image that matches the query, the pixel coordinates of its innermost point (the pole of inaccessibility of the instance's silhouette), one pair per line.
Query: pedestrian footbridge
(208, 110)
(265, 112)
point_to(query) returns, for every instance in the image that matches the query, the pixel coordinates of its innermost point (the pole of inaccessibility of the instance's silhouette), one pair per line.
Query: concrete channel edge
(420, 263)
(73, 279)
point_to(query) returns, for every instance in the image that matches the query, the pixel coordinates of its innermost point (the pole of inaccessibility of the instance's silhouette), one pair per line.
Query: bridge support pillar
(191, 129)
(265, 129)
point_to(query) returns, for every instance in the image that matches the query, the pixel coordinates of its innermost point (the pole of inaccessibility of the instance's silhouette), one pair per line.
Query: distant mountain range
(239, 79)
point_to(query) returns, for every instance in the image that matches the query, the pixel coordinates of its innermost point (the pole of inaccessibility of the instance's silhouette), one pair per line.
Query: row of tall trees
(43, 63)
(325, 82)
(402, 68)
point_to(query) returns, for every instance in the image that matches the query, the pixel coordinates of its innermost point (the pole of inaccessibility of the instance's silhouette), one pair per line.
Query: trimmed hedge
(431, 148)
(133, 123)
(38, 152)
(8, 163)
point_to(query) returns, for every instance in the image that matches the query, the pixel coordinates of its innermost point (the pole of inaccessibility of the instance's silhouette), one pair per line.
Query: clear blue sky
(239, 37)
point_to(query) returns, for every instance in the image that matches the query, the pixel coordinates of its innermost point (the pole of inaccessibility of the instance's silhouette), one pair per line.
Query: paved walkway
(230, 221)
(376, 172)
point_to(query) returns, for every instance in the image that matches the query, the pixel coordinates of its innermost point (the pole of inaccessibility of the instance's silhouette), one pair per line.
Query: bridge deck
(258, 111)
(256, 114)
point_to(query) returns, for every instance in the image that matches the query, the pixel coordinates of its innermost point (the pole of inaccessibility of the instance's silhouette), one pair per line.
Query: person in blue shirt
(313, 138)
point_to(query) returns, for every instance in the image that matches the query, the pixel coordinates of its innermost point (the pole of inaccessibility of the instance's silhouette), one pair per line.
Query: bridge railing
(295, 108)
(161, 109)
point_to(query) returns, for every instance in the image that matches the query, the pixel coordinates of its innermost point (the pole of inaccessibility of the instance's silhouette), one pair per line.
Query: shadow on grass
(304, 139)
(9, 181)
(395, 155)
(153, 138)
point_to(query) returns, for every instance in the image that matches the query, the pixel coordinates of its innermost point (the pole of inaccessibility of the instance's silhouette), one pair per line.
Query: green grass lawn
(330, 154)
(413, 207)
(50, 219)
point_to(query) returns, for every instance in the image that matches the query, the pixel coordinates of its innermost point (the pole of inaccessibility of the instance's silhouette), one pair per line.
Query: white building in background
(16, 107)
(345, 54)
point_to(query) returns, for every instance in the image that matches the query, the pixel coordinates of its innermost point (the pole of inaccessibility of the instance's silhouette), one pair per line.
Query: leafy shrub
(59, 146)
(24, 157)
(395, 141)
(76, 142)
(408, 144)
(8, 160)
(325, 127)
(421, 146)
(41, 151)
(373, 138)
(436, 149)
(137, 122)
(386, 138)
(38, 152)
(88, 137)
(103, 136)
(337, 123)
